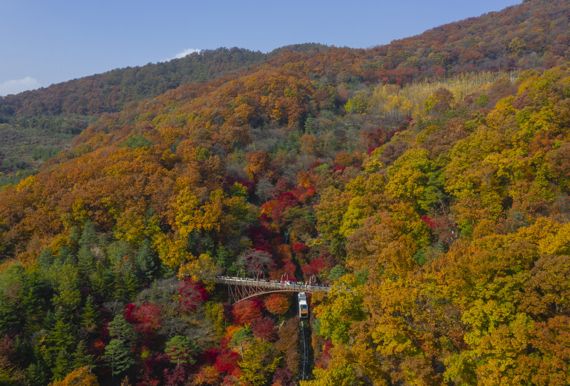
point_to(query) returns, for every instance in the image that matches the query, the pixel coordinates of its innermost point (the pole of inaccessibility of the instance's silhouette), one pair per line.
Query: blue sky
(49, 41)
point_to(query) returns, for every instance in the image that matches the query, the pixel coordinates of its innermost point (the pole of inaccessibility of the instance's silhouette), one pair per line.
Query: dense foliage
(36, 124)
(436, 205)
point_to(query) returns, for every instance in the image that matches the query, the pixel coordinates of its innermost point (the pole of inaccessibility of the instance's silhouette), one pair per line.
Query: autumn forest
(425, 181)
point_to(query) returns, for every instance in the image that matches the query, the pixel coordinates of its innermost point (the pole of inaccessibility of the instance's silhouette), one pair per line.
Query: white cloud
(15, 86)
(186, 52)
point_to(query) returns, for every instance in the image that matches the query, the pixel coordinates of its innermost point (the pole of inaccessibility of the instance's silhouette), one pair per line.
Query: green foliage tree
(89, 317)
(180, 350)
(120, 329)
(11, 287)
(63, 364)
(81, 358)
(68, 297)
(59, 344)
(146, 262)
(119, 356)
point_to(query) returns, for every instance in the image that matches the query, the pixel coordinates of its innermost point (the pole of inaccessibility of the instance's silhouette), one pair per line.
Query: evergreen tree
(81, 357)
(74, 234)
(180, 350)
(89, 317)
(119, 357)
(35, 300)
(37, 374)
(101, 280)
(146, 262)
(60, 339)
(85, 256)
(65, 255)
(88, 235)
(62, 365)
(11, 313)
(120, 329)
(46, 258)
(68, 298)
(126, 283)
(85, 260)
(131, 283)
(9, 316)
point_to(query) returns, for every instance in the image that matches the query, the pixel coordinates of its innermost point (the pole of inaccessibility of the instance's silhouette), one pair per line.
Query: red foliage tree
(299, 247)
(227, 362)
(176, 376)
(274, 209)
(98, 346)
(261, 236)
(246, 311)
(128, 313)
(147, 318)
(264, 328)
(209, 356)
(191, 295)
(430, 222)
(289, 269)
(316, 266)
(325, 355)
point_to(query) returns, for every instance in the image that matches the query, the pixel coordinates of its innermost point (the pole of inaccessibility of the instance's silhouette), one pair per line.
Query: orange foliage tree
(277, 304)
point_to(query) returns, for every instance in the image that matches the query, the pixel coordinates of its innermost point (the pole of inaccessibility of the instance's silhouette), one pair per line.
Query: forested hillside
(37, 124)
(426, 181)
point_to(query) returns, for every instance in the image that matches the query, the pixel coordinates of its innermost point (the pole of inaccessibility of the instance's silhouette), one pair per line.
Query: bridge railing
(273, 284)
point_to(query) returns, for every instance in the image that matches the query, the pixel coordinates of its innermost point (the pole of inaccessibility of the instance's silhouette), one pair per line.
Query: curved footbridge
(241, 288)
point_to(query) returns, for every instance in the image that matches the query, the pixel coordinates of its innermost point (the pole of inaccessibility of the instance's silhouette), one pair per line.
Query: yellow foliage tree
(78, 377)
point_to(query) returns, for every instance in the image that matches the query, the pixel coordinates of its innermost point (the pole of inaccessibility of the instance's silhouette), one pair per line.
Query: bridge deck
(271, 284)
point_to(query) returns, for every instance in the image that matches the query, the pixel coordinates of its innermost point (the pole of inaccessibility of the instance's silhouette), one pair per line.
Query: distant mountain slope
(35, 125)
(39, 123)
(531, 35)
(109, 91)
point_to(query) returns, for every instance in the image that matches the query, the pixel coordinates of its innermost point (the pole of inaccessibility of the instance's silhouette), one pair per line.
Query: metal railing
(241, 288)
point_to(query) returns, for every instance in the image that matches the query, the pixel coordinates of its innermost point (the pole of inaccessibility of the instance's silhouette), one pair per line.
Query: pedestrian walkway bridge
(241, 288)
